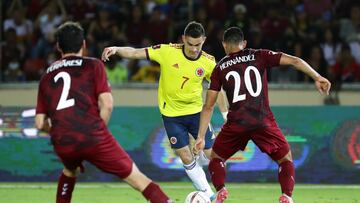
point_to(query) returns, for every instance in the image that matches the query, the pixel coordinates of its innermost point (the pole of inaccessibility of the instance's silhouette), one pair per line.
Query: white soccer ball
(197, 197)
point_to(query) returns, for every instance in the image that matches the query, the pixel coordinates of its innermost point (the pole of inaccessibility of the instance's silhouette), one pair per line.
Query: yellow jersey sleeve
(211, 63)
(157, 52)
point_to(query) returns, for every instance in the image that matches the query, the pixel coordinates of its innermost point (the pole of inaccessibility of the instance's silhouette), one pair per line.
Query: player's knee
(287, 157)
(215, 156)
(70, 172)
(187, 159)
(208, 152)
(185, 155)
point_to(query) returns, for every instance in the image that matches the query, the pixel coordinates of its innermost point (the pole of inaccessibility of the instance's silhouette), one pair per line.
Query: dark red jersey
(243, 76)
(68, 94)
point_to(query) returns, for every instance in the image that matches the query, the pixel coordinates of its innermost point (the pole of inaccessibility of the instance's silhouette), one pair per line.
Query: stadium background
(317, 131)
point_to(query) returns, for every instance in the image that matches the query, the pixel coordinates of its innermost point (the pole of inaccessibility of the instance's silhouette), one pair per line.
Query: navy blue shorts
(178, 129)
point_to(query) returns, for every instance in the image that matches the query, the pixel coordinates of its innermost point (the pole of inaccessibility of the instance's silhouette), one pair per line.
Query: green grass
(121, 193)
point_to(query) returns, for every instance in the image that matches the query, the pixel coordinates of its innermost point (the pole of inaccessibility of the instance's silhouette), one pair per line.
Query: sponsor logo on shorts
(173, 140)
(199, 72)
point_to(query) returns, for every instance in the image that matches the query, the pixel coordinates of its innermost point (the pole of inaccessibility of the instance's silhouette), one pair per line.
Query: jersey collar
(183, 51)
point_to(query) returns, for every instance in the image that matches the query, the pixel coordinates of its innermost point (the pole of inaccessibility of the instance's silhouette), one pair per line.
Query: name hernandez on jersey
(237, 60)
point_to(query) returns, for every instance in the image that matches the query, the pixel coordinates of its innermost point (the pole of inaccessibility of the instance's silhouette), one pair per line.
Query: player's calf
(65, 188)
(154, 194)
(287, 177)
(198, 177)
(217, 173)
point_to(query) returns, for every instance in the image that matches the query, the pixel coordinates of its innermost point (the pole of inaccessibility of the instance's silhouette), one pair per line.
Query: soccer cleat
(285, 199)
(221, 195)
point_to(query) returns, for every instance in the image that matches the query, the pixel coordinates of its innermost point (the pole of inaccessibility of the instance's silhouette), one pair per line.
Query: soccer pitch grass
(122, 193)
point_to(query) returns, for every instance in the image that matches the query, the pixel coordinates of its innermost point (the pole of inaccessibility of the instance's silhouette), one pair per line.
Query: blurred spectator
(239, 19)
(83, 11)
(11, 6)
(273, 26)
(345, 69)
(51, 58)
(301, 23)
(216, 8)
(341, 8)
(179, 15)
(50, 18)
(135, 27)
(330, 46)
(149, 6)
(317, 61)
(22, 26)
(355, 49)
(306, 32)
(215, 45)
(158, 28)
(350, 31)
(119, 11)
(149, 73)
(103, 32)
(116, 72)
(33, 68)
(47, 22)
(318, 9)
(35, 7)
(350, 28)
(255, 39)
(212, 44)
(11, 62)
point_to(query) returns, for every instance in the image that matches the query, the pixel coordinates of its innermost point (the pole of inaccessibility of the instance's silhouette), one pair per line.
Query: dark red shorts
(108, 156)
(270, 140)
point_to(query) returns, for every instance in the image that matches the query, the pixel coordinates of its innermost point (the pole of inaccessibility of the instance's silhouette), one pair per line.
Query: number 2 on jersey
(240, 97)
(64, 102)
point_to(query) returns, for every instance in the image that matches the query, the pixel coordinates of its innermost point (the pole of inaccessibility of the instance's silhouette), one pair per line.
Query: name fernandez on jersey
(64, 63)
(236, 60)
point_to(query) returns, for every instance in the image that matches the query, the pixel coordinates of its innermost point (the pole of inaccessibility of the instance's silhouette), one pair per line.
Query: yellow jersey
(180, 83)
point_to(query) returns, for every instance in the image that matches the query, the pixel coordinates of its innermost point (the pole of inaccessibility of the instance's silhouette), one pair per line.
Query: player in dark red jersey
(75, 103)
(242, 74)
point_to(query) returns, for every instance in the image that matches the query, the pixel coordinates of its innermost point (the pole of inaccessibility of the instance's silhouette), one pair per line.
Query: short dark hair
(70, 37)
(233, 35)
(194, 29)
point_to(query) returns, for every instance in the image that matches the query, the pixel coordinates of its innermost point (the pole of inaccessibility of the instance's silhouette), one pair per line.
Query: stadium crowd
(326, 33)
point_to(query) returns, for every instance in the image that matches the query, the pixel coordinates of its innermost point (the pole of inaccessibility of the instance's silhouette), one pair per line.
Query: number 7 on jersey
(185, 80)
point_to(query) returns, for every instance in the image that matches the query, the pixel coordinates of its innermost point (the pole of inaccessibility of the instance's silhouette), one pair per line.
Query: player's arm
(125, 52)
(205, 117)
(222, 104)
(321, 83)
(42, 122)
(105, 102)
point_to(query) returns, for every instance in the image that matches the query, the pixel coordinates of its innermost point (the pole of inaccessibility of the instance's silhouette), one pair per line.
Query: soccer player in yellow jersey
(183, 68)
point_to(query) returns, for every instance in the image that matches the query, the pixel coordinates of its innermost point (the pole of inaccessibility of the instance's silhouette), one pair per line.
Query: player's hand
(108, 51)
(323, 85)
(47, 125)
(199, 145)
